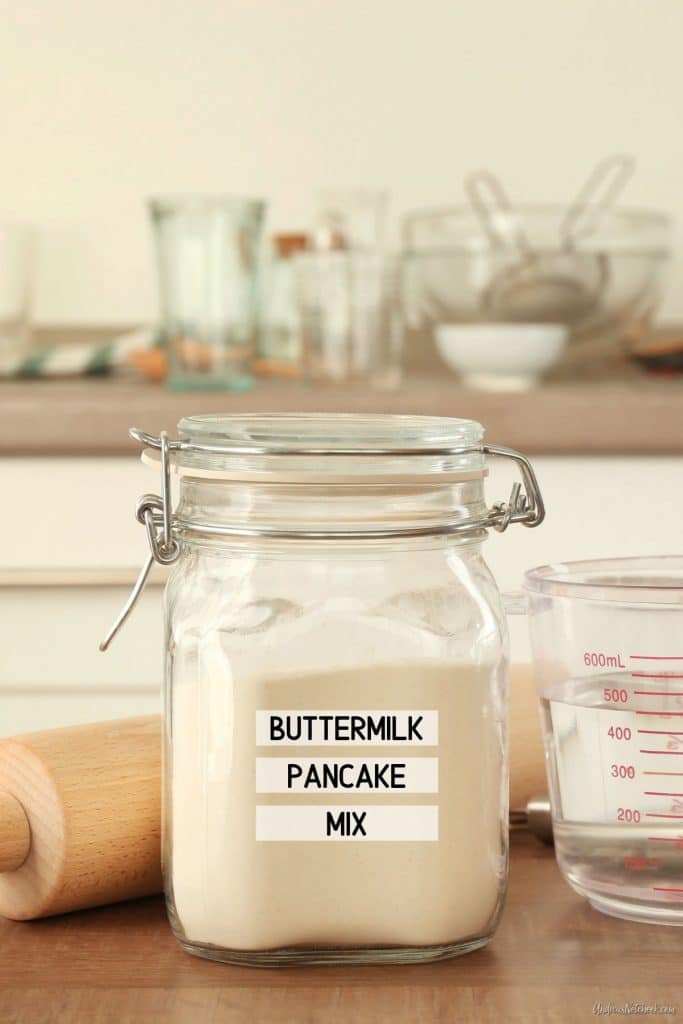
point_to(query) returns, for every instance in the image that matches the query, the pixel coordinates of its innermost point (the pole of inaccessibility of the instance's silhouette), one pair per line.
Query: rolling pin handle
(15, 833)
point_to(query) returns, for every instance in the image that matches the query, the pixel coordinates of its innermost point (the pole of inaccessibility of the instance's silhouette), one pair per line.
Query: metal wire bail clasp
(153, 511)
(525, 504)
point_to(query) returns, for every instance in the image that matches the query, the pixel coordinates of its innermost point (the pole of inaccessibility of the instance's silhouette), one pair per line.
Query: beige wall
(105, 101)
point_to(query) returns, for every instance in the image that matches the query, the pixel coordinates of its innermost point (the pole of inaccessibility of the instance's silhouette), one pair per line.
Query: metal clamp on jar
(336, 686)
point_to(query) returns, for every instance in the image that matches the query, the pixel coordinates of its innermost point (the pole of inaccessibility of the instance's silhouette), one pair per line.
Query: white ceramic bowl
(499, 356)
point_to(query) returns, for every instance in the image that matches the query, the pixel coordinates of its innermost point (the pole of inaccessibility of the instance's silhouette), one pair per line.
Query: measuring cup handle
(515, 602)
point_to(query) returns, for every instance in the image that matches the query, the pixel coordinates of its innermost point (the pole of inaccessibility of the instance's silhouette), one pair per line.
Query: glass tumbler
(351, 218)
(607, 639)
(280, 326)
(207, 251)
(351, 319)
(336, 682)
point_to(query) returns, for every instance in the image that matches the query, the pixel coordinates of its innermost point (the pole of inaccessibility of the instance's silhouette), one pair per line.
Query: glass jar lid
(375, 449)
(328, 446)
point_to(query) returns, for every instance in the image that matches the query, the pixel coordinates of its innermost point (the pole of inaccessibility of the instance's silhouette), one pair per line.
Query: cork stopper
(287, 245)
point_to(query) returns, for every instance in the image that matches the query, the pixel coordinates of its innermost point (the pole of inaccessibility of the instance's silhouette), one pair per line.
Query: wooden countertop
(92, 416)
(552, 959)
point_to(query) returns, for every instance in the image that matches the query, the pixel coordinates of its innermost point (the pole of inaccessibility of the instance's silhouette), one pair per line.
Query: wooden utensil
(80, 817)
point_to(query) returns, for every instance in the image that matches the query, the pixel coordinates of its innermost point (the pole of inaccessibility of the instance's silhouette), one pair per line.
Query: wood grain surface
(552, 959)
(635, 415)
(91, 795)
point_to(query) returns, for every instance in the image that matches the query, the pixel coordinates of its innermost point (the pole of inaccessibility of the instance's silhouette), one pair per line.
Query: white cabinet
(51, 670)
(63, 514)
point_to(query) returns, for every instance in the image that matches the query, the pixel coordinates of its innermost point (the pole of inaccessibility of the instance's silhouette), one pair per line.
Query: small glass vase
(207, 251)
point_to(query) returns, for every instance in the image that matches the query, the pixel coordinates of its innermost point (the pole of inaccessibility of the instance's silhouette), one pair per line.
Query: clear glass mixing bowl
(453, 272)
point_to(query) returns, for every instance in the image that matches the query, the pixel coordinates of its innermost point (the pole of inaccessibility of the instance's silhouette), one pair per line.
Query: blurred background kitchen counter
(620, 416)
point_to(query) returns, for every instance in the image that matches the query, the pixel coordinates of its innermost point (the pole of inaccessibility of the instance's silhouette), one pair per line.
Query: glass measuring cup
(607, 641)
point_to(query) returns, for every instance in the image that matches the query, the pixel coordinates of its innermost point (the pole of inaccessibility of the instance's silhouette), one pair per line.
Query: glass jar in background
(350, 219)
(335, 764)
(208, 251)
(351, 317)
(16, 280)
(280, 320)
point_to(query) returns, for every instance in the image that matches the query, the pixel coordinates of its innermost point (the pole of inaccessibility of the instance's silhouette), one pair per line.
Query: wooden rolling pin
(80, 817)
(80, 808)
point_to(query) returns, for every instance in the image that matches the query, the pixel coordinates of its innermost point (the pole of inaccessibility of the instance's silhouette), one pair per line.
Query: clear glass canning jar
(336, 685)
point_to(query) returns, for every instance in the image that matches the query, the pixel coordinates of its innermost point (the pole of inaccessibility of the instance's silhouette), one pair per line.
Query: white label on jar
(353, 774)
(345, 728)
(366, 776)
(278, 823)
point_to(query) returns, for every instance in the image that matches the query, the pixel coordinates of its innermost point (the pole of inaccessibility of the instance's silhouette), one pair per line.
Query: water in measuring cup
(614, 743)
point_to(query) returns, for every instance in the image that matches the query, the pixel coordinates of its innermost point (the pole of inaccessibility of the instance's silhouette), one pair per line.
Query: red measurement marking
(665, 839)
(654, 792)
(669, 753)
(656, 657)
(658, 732)
(662, 714)
(641, 863)
(660, 693)
(649, 814)
(662, 888)
(662, 773)
(655, 675)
